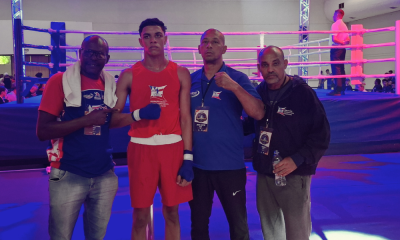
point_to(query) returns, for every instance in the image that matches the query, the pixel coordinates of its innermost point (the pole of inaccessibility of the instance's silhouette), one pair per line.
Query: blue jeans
(69, 191)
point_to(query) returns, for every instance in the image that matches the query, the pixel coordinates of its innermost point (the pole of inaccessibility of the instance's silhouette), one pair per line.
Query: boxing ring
(360, 122)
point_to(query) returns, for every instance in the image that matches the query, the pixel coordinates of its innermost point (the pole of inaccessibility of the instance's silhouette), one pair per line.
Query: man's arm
(185, 173)
(49, 128)
(252, 106)
(124, 83)
(184, 99)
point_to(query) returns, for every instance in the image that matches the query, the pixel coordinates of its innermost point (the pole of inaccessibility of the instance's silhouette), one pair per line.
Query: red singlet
(162, 88)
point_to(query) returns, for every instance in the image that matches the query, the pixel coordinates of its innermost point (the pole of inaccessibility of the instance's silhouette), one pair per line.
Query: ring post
(16, 14)
(357, 54)
(397, 62)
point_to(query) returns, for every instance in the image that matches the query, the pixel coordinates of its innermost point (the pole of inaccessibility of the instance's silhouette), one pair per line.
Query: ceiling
(359, 9)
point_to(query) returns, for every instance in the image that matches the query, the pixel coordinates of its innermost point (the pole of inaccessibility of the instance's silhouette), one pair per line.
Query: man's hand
(285, 167)
(99, 117)
(223, 80)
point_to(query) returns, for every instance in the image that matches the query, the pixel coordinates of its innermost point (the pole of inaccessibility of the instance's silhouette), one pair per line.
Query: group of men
(186, 139)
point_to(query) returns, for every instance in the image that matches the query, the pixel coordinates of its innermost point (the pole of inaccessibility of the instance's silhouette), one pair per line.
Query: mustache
(270, 75)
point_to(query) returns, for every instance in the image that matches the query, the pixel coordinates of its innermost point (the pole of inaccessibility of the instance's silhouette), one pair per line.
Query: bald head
(216, 32)
(274, 50)
(96, 40)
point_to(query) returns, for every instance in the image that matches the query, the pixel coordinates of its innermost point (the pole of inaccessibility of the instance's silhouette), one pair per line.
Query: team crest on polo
(157, 95)
(216, 95)
(284, 111)
(195, 94)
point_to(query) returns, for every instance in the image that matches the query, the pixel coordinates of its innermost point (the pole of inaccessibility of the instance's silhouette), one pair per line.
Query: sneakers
(334, 93)
(337, 92)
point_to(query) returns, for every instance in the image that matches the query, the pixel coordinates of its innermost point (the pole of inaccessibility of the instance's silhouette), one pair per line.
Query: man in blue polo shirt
(218, 96)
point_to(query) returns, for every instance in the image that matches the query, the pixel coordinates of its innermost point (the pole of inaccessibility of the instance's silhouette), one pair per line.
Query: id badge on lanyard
(201, 115)
(264, 140)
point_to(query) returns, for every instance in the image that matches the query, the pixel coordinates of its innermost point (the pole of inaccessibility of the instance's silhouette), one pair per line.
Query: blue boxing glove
(151, 112)
(186, 170)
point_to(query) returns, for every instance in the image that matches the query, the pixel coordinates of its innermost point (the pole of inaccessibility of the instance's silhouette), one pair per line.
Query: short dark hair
(326, 70)
(39, 75)
(340, 11)
(384, 80)
(152, 22)
(378, 81)
(390, 71)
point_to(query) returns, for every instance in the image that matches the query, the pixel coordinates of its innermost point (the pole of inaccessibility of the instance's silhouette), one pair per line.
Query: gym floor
(352, 197)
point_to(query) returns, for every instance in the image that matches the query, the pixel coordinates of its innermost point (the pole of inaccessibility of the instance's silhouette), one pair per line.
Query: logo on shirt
(88, 96)
(97, 96)
(195, 94)
(216, 95)
(284, 112)
(157, 95)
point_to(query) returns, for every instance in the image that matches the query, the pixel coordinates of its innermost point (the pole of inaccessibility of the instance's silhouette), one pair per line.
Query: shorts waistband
(157, 140)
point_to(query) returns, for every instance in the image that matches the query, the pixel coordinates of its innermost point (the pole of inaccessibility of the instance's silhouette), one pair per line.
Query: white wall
(187, 15)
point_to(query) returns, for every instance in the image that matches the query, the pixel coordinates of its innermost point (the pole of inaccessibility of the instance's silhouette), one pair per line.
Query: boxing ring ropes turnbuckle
(356, 46)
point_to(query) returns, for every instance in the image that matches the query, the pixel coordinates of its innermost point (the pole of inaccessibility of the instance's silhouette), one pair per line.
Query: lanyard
(274, 102)
(203, 94)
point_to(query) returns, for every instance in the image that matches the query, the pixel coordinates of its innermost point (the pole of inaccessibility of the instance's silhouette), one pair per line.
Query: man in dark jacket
(296, 125)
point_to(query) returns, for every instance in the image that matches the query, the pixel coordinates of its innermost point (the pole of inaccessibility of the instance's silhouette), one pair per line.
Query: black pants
(338, 54)
(230, 188)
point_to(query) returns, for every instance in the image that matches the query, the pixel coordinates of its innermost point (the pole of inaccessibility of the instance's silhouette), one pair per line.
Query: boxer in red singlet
(159, 153)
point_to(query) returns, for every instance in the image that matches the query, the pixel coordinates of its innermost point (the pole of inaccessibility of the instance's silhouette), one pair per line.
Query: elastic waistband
(158, 139)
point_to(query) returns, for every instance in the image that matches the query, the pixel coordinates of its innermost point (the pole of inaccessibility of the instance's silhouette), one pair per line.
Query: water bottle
(279, 180)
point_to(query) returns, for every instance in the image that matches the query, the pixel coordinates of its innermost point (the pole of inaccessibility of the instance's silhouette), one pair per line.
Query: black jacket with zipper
(300, 128)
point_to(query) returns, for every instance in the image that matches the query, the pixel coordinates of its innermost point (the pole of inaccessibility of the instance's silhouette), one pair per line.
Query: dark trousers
(338, 54)
(230, 188)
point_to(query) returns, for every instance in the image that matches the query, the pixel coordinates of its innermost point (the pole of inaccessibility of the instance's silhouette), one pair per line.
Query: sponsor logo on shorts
(234, 193)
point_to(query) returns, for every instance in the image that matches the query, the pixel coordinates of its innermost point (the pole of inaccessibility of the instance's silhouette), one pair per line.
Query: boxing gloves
(186, 170)
(150, 112)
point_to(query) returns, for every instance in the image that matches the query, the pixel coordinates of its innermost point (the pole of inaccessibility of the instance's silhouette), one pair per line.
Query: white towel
(71, 82)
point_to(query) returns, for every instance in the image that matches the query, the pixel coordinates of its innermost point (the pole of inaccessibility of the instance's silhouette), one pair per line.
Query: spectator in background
(116, 76)
(393, 87)
(386, 87)
(3, 94)
(32, 92)
(392, 78)
(321, 81)
(12, 96)
(360, 87)
(378, 86)
(7, 81)
(348, 85)
(40, 89)
(329, 83)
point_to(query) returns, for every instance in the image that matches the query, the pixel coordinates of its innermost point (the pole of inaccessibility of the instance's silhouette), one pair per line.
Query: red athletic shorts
(152, 166)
